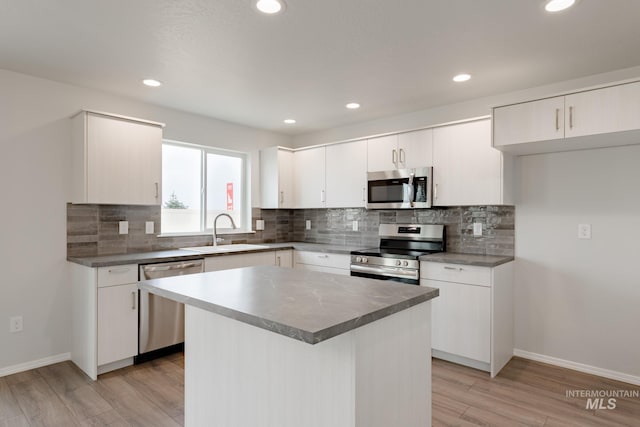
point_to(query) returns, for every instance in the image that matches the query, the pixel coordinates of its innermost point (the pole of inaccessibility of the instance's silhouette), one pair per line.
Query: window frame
(245, 196)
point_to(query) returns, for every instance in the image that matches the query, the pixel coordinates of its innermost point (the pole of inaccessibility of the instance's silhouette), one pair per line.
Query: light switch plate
(308, 224)
(477, 229)
(354, 225)
(149, 227)
(584, 231)
(123, 227)
(259, 224)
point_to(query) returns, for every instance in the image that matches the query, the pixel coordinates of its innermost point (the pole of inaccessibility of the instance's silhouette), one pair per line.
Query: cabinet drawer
(323, 259)
(469, 274)
(117, 275)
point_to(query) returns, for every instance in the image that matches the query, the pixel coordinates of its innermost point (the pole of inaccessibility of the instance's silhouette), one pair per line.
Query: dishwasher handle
(171, 267)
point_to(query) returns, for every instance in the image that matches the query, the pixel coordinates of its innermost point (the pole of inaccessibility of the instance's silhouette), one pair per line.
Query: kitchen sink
(224, 248)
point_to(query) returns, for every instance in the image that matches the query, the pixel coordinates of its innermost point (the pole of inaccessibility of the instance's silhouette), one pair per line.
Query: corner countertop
(184, 255)
(467, 259)
(304, 305)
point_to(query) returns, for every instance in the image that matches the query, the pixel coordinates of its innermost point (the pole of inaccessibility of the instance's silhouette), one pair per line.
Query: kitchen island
(273, 347)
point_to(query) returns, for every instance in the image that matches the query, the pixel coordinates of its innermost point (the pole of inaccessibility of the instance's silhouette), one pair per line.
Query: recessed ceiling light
(352, 105)
(152, 82)
(461, 78)
(289, 121)
(558, 5)
(270, 7)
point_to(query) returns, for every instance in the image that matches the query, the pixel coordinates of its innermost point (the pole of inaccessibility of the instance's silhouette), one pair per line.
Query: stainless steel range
(397, 257)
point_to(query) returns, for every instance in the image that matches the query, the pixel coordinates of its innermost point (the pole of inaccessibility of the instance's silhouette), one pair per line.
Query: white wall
(35, 183)
(579, 300)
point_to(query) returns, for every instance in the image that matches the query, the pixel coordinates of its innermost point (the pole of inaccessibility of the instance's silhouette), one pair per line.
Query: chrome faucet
(215, 222)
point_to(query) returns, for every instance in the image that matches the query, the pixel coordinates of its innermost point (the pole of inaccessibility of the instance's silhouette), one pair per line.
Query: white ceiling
(221, 58)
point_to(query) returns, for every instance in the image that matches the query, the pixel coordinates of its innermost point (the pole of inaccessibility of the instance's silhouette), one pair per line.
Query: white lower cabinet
(472, 318)
(104, 317)
(117, 323)
(284, 258)
(323, 262)
(227, 262)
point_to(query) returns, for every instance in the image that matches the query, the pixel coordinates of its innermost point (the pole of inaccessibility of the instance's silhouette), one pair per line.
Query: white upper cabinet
(400, 151)
(415, 149)
(116, 160)
(346, 174)
(466, 169)
(570, 122)
(608, 110)
(382, 153)
(529, 121)
(276, 178)
(309, 178)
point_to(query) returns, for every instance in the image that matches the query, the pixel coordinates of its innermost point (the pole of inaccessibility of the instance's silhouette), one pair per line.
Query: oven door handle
(386, 271)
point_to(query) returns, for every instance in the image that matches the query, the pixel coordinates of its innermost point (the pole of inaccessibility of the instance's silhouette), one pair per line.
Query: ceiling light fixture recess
(461, 78)
(289, 121)
(353, 105)
(270, 7)
(151, 82)
(558, 5)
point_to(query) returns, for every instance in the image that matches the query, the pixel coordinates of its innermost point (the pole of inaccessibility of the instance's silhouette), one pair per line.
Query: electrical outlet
(477, 229)
(308, 224)
(259, 224)
(123, 227)
(354, 225)
(15, 324)
(149, 227)
(584, 231)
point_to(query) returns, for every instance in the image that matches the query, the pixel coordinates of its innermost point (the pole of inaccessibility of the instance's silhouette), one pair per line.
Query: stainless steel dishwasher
(161, 322)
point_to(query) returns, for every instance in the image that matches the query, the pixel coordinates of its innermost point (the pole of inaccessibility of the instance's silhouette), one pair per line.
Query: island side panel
(243, 376)
(393, 370)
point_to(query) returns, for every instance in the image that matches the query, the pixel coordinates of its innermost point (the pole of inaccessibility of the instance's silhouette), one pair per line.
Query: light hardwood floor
(524, 394)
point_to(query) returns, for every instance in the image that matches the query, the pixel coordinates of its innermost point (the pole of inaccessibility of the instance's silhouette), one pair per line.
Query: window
(198, 183)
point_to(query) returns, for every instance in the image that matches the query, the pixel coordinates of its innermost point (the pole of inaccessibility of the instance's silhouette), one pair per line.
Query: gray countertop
(304, 305)
(180, 255)
(467, 259)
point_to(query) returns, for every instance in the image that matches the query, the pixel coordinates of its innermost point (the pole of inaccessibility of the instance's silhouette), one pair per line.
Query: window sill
(206, 233)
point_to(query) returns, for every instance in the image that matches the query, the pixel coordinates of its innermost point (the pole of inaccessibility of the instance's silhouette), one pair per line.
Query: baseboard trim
(581, 367)
(10, 370)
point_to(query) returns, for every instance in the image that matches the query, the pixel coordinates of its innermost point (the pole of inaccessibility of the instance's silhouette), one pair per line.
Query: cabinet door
(284, 258)
(285, 179)
(466, 169)
(227, 262)
(528, 122)
(611, 109)
(117, 323)
(124, 161)
(382, 153)
(346, 174)
(415, 149)
(309, 178)
(461, 319)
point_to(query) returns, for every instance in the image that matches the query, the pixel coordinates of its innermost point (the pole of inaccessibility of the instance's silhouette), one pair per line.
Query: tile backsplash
(93, 229)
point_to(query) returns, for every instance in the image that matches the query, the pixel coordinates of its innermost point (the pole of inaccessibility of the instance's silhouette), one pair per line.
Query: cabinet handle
(323, 256)
(452, 268)
(133, 300)
(364, 194)
(557, 119)
(394, 157)
(277, 261)
(282, 197)
(119, 270)
(570, 117)
(157, 192)
(435, 191)
(322, 196)
(402, 158)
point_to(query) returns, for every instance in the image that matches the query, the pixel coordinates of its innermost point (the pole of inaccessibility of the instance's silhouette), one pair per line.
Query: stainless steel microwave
(400, 189)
